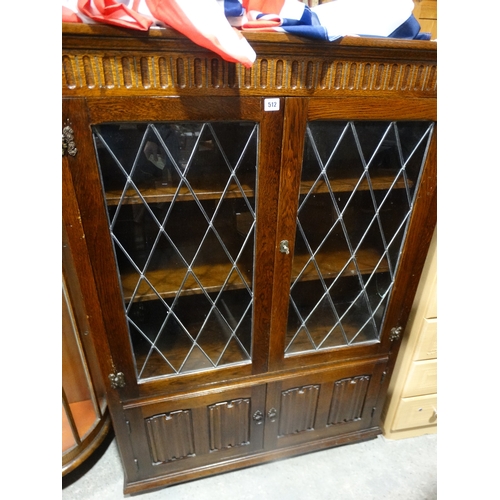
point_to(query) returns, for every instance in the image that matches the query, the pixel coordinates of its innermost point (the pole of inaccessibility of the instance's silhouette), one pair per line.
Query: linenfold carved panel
(229, 424)
(170, 436)
(348, 399)
(119, 74)
(298, 409)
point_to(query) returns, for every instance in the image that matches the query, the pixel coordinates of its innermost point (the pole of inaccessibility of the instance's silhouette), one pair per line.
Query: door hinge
(68, 140)
(384, 374)
(395, 333)
(117, 380)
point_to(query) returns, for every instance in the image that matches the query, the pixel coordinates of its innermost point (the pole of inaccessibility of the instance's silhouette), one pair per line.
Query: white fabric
(363, 17)
(291, 10)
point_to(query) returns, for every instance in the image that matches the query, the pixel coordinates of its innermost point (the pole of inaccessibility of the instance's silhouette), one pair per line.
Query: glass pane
(68, 440)
(81, 406)
(357, 189)
(181, 206)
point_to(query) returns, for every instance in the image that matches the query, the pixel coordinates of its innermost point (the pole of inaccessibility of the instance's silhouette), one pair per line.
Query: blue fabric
(308, 18)
(309, 26)
(313, 32)
(410, 30)
(233, 8)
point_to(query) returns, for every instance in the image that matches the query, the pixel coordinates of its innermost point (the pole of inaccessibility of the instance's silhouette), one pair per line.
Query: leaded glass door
(182, 202)
(354, 200)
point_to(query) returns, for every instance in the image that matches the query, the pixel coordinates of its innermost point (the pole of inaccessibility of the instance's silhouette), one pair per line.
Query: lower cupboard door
(323, 405)
(196, 431)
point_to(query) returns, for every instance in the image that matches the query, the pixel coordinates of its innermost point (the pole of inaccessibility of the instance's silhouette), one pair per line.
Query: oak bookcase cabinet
(248, 241)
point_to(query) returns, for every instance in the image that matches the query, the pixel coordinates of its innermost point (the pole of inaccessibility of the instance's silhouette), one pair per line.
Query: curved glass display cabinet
(85, 415)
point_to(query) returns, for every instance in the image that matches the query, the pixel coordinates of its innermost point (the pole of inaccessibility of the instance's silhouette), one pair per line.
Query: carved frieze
(171, 74)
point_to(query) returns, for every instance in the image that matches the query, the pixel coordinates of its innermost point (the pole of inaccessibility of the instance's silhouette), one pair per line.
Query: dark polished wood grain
(172, 427)
(294, 126)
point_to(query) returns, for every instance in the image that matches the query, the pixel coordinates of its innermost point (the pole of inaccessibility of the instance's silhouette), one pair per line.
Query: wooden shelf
(167, 281)
(331, 264)
(212, 275)
(179, 346)
(379, 183)
(210, 334)
(335, 340)
(166, 194)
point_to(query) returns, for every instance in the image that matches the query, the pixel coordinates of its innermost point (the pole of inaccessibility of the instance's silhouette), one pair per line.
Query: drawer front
(416, 412)
(427, 343)
(431, 311)
(422, 379)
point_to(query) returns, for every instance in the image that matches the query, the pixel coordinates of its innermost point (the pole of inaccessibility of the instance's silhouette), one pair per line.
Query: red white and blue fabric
(217, 24)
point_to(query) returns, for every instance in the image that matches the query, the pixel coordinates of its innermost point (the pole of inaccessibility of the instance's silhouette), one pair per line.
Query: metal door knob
(272, 414)
(284, 247)
(258, 416)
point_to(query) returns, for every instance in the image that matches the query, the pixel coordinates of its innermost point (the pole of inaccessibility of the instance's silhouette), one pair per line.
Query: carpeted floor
(372, 470)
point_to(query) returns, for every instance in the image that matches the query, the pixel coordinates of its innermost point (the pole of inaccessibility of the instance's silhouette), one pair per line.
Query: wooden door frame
(299, 111)
(83, 113)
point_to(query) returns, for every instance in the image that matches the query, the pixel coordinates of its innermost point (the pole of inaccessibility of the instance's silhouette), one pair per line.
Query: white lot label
(272, 104)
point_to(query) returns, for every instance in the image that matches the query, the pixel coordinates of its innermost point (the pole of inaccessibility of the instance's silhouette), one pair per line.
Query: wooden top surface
(156, 33)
